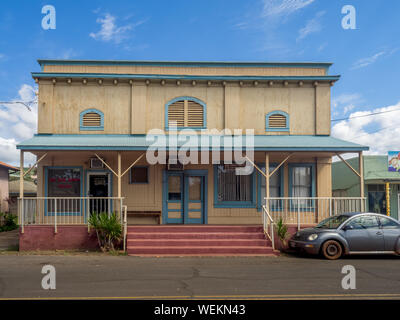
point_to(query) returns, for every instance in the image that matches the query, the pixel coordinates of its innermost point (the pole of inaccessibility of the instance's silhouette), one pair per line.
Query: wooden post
(387, 187)
(119, 174)
(361, 171)
(267, 179)
(21, 189)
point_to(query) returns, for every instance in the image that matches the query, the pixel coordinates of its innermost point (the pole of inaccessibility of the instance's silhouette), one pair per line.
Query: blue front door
(184, 194)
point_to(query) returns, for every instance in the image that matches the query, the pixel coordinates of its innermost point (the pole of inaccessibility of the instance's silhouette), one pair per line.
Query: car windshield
(332, 222)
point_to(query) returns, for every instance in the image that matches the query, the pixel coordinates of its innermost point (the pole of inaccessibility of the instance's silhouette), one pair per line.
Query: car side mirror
(347, 227)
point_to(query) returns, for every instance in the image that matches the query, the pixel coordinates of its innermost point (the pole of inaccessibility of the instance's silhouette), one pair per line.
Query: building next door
(185, 197)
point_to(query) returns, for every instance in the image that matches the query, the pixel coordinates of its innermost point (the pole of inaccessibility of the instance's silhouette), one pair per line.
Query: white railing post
(298, 213)
(55, 215)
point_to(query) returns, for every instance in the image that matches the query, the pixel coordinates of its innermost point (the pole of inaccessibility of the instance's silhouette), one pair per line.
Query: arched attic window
(277, 121)
(185, 112)
(91, 119)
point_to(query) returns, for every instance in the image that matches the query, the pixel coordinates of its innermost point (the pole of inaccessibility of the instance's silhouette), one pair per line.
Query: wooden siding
(226, 71)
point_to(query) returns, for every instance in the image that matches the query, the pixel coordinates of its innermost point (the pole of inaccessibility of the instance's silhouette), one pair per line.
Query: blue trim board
(46, 190)
(267, 128)
(44, 75)
(86, 128)
(205, 64)
(235, 204)
(143, 142)
(189, 99)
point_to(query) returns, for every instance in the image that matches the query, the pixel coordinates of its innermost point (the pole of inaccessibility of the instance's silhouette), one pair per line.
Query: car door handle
(379, 233)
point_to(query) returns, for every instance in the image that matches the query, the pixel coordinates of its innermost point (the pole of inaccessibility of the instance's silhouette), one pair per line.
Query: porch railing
(65, 210)
(268, 226)
(311, 210)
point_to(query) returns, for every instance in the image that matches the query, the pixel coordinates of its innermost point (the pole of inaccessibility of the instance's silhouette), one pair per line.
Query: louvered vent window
(91, 119)
(277, 121)
(186, 113)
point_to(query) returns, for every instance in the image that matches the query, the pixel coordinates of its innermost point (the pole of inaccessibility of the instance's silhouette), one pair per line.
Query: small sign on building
(394, 161)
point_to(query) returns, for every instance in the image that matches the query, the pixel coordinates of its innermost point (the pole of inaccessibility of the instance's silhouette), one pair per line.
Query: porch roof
(126, 142)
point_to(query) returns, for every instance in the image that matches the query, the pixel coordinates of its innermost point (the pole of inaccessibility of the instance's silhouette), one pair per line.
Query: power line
(27, 104)
(365, 115)
(368, 133)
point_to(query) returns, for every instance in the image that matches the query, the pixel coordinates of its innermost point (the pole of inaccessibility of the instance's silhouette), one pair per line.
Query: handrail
(265, 227)
(125, 209)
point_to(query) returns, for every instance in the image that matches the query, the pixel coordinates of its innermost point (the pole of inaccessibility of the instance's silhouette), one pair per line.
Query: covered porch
(114, 173)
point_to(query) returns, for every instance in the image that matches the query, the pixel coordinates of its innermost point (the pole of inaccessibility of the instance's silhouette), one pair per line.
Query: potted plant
(282, 232)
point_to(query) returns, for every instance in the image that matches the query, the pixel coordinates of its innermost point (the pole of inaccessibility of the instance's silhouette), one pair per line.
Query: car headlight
(312, 237)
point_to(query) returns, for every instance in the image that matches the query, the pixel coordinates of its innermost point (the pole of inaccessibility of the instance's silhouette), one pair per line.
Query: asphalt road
(124, 277)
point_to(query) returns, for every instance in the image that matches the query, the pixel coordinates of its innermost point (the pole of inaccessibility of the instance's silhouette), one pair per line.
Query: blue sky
(258, 30)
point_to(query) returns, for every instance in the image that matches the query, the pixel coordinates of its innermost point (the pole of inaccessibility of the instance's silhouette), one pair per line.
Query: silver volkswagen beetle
(350, 233)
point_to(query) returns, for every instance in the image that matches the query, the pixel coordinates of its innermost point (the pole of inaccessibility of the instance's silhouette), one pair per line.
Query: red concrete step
(197, 243)
(194, 228)
(195, 235)
(199, 250)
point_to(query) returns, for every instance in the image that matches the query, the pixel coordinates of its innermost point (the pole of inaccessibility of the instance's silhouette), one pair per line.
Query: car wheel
(332, 250)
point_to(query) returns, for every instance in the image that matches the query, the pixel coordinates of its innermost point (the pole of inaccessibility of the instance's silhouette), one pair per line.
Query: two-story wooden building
(99, 120)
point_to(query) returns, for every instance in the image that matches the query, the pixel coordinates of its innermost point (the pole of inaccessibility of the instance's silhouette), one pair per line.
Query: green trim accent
(140, 143)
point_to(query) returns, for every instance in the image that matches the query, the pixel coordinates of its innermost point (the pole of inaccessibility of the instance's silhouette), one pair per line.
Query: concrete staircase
(197, 240)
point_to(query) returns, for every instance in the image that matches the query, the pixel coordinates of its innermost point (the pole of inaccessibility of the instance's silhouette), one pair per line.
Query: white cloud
(312, 26)
(370, 60)
(109, 31)
(283, 7)
(379, 132)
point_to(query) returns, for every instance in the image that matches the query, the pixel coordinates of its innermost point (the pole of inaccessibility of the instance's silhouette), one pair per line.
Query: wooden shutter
(91, 119)
(277, 121)
(176, 114)
(195, 114)
(186, 113)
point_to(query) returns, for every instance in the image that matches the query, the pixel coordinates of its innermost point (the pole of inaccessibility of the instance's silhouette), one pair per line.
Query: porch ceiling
(199, 142)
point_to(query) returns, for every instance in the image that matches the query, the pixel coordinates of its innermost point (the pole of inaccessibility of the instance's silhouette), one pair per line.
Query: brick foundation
(66, 238)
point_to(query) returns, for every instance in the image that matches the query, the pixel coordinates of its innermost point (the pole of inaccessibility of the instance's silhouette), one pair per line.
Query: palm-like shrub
(108, 229)
(282, 231)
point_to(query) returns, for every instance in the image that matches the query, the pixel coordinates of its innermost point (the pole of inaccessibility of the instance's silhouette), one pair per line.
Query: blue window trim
(148, 175)
(235, 204)
(313, 179)
(260, 176)
(189, 99)
(268, 129)
(99, 128)
(82, 184)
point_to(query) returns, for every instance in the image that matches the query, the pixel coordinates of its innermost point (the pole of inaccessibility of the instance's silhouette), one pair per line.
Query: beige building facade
(97, 120)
